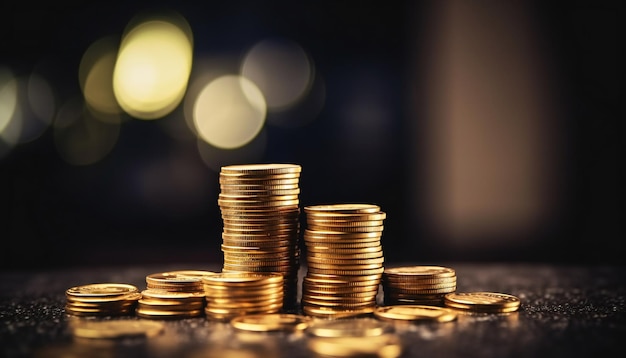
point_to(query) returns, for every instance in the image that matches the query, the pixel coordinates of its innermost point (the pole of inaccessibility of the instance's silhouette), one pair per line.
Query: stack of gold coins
(417, 285)
(161, 304)
(229, 294)
(101, 299)
(482, 302)
(260, 211)
(344, 259)
(174, 294)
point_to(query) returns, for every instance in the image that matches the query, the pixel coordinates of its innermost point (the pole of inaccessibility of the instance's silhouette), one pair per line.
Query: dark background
(53, 214)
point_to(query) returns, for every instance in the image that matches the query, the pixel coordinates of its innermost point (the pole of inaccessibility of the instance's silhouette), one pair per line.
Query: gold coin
(101, 290)
(172, 295)
(315, 278)
(163, 314)
(482, 301)
(345, 248)
(271, 322)
(345, 272)
(349, 261)
(315, 227)
(103, 300)
(333, 225)
(115, 328)
(341, 236)
(356, 208)
(384, 346)
(177, 277)
(242, 279)
(415, 313)
(334, 215)
(328, 312)
(83, 311)
(351, 327)
(257, 187)
(265, 168)
(420, 271)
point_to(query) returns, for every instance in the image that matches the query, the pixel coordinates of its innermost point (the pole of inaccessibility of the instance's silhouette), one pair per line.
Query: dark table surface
(566, 311)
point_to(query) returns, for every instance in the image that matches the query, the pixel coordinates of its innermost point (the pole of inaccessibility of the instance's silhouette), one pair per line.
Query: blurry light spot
(8, 97)
(79, 137)
(281, 69)
(216, 158)
(205, 70)
(229, 112)
(95, 74)
(152, 68)
(34, 108)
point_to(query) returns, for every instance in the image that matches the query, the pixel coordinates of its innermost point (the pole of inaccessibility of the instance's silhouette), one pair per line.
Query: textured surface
(566, 311)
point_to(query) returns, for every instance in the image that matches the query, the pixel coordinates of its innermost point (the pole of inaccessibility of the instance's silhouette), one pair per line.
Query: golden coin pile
(344, 259)
(175, 294)
(229, 294)
(260, 211)
(417, 285)
(482, 302)
(101, 299)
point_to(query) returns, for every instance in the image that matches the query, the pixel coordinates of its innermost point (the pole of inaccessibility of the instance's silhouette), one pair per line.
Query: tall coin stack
(418, 285)
(259, 205)
(344, 259)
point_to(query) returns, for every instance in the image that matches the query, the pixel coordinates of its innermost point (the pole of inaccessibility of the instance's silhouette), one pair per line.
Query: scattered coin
(271, 322)
(415, 313)
(492, 302)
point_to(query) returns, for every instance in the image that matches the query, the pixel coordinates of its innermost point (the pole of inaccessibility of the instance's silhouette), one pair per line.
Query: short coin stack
(175, 294)
(101, 299)
(260, 211)
(229, 295)
(344, 259)
(417, 285)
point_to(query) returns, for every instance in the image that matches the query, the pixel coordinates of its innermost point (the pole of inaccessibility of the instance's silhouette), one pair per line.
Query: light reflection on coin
(115, 328)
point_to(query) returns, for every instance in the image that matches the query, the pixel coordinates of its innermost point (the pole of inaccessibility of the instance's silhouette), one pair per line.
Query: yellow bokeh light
(8, 97)
(281, 69)
(79, 137)
(229, 112)
(95, 74)
(152, 68)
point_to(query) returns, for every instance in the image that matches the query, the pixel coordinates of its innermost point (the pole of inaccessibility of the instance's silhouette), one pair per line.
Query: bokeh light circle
(229, 112)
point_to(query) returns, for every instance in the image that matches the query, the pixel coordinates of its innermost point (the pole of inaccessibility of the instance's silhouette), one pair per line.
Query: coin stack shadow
(260, 210)
(344, 259)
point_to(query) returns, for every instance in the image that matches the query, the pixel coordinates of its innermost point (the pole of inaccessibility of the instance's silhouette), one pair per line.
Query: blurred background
(487, 131)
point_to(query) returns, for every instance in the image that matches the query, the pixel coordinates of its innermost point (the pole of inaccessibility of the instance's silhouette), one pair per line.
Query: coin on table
(116, 328)
(349, 327)
(271, 322)
(482, 301)
(415, 313)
